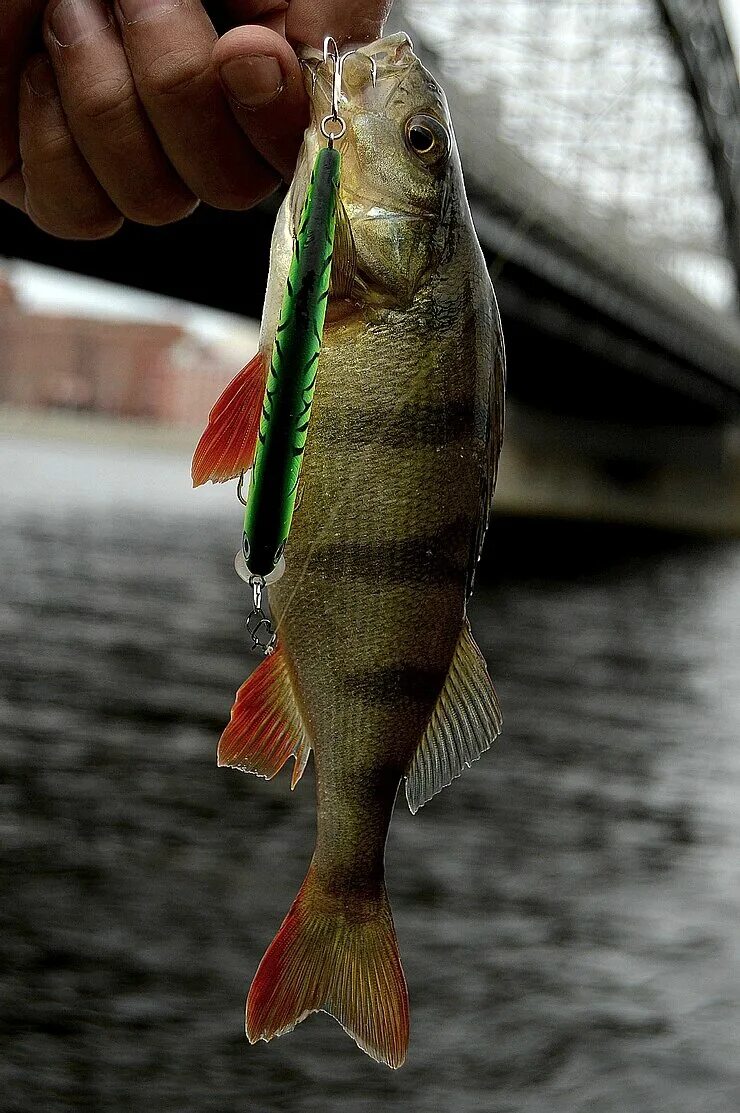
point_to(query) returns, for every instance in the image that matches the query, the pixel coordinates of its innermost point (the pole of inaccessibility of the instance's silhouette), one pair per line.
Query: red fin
(338, 956)
(227, 446)
(266, 726)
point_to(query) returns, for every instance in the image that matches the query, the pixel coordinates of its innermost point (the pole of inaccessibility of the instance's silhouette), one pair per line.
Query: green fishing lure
(286, 407)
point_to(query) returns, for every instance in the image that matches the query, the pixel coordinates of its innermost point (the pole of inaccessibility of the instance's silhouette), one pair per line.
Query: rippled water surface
(568, 912)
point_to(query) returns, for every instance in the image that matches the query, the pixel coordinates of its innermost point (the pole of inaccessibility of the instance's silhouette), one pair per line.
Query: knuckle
(75, 226)
(48, 149)
(109, 105)
(240, 198)
(177, 73)
(13, 190)
(98, 228)
(157, 210)
(8, 167)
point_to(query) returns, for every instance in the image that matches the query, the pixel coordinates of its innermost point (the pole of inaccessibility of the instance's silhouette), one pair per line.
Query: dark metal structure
(700, 38)
(601, 143)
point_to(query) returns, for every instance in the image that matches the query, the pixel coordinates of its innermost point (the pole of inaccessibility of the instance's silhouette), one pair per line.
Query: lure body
(291, 380)
(375, 670)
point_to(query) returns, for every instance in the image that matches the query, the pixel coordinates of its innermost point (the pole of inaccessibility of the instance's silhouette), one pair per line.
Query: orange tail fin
(227, 446)
(331, 957)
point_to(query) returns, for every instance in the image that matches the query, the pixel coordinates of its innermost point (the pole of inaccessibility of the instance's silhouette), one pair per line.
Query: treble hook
(331, 50)
(333, 126)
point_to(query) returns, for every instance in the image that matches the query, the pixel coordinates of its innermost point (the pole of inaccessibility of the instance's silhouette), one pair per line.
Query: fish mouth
(371, 77)
(376, 212)
(377, 79)
(370, 74)
(396, 214)
(389, 54)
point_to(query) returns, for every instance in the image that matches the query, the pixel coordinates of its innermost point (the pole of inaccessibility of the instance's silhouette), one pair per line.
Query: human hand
(138, 110)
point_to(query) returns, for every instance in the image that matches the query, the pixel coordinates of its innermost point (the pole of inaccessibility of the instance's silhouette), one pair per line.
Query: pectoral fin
(266, 726)
(227, 446)
(464, 723)
(344, 256)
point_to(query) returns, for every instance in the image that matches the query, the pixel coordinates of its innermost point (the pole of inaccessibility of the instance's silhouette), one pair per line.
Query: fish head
(400, 171)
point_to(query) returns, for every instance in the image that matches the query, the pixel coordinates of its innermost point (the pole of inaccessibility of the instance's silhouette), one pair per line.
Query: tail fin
(332, 957)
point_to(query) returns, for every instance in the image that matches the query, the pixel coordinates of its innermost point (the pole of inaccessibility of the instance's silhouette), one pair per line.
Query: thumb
(262, 79)
(345, 20)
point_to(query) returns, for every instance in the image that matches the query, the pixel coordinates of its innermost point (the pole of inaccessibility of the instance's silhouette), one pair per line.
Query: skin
(398, 473)
(145, 115)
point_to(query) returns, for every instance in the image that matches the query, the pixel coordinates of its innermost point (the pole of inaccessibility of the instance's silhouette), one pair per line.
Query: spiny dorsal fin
(266, 727)
(464, 723)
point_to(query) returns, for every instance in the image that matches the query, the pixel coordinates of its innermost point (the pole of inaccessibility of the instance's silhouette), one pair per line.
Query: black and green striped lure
(286, 408)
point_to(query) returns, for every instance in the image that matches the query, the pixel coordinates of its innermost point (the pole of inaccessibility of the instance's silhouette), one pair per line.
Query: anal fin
(228, 444)
(266, 727)
(465, 722)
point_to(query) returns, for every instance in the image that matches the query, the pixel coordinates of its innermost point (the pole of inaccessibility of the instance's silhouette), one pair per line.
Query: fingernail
(254, 80)
(75, 20)
(137, 11)
(41, 79)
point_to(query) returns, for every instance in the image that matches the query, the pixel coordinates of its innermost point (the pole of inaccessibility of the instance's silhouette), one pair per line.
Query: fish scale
(357, 517)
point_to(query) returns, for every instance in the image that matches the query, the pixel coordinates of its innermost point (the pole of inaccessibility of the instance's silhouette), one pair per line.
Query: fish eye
(427, 138)
(421, 139)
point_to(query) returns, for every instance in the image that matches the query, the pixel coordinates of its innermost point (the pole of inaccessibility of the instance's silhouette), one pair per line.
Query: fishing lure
(286, 406)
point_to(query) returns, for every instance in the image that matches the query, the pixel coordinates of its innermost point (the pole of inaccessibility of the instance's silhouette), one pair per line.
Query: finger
(169, 44)
(268, 13)
(19, 20)
(12, 188)
(262, 77)
(346, 20)
(105, 116)
(62, 194)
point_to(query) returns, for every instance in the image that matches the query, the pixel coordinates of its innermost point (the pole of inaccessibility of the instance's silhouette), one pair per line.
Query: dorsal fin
(464, 723)
(227, 446)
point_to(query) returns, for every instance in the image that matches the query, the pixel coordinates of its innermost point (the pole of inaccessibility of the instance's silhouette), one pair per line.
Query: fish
(375, 669)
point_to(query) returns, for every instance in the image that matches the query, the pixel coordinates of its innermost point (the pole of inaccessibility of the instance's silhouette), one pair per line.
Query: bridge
(601, 146)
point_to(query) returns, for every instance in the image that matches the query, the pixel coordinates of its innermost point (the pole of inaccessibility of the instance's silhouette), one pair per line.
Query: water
(568, 912)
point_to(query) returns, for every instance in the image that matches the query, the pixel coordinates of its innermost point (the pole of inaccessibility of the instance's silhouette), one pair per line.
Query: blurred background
(569, 910)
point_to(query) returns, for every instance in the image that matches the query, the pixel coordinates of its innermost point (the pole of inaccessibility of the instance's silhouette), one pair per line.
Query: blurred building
(600, 141)
(144, 370)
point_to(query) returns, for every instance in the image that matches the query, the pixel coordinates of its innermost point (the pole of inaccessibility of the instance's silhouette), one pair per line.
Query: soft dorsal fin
(266, 727)
(464, 723)
(227, 446)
